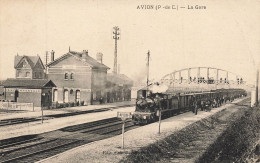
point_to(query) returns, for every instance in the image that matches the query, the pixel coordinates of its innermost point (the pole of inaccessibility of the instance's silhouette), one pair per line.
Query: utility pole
(148, 62)
(116, 34)
(256, 87)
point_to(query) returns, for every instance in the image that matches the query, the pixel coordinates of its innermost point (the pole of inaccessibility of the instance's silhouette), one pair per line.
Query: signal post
(124, 116)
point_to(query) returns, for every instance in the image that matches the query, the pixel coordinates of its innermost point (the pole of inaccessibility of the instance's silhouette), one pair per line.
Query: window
(72, 76)
(66, 76)
(24, 63)
(27, 74)
(19, 74)
(40, 75)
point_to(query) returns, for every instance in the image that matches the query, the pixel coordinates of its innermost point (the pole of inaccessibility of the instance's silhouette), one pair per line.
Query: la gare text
(158, 7)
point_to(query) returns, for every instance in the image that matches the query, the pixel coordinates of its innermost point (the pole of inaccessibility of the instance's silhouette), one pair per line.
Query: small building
(118, 87)
(36, 91)
(78, 77)
(29, 67)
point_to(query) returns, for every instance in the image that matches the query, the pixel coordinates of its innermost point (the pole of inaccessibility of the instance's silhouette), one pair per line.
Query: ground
(145, 138)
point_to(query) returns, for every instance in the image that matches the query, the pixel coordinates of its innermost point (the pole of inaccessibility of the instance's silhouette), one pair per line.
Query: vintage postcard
(129, 81)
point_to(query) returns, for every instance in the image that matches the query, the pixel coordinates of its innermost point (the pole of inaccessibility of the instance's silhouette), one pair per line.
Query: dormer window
(72, 76)
(24, 63)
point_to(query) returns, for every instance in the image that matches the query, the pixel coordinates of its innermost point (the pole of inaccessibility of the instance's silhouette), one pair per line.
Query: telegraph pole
(116, 34)
(148, 62)
(256, 87)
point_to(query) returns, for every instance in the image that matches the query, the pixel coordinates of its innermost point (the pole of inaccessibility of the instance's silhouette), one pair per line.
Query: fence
(17, 106)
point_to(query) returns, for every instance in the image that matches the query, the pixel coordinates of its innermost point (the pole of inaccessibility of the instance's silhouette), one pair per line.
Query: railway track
(37, 147)
(13, 121)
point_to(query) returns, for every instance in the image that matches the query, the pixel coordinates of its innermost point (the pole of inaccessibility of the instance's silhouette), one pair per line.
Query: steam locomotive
(149, 104)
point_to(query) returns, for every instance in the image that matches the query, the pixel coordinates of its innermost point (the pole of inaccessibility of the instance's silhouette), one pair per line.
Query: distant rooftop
(119, 79)
(88, 59)
(28, 83)
(32, 60)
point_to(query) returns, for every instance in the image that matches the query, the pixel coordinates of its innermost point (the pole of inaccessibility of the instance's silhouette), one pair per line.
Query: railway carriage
(149, 103)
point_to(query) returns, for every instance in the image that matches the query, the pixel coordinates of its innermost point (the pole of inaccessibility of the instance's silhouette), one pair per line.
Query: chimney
(100, 57)
(52, 55)
(84, 55)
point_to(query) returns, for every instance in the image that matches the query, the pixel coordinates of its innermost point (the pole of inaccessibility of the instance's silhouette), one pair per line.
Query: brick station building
(78, 77)
(30, 84)
(36, 91)
(73, 77)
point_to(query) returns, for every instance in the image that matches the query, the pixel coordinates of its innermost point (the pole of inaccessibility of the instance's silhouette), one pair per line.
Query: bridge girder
(171, 77)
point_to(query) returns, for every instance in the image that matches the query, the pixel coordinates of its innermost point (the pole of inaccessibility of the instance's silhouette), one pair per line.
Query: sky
(225, 35)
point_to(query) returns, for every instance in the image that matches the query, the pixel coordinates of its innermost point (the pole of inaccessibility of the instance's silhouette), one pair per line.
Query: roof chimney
(52, 55)
(100, 57)
(84, 55)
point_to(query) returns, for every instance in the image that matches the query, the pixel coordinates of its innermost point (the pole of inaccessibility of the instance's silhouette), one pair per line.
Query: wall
(82, 75)
(2, 93)
(99, 80)
(22, 73)
(25, 95)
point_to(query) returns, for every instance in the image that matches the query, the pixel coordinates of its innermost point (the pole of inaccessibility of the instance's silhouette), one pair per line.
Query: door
(16, 95)
(66, 96)
(55, 95)
(77, 96)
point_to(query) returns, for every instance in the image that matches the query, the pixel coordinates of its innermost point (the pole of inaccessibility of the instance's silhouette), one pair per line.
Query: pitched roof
(28, 83)
(119, 79)
(32, 60)
(89, 60)
(1, 82)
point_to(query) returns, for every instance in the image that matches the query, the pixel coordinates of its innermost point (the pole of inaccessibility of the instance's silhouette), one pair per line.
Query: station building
(72, 78)
(36, 91)
(30, 84)
(118, 87)
(78, 77)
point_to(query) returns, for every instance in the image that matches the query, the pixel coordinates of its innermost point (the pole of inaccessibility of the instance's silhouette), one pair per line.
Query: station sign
(124, 115)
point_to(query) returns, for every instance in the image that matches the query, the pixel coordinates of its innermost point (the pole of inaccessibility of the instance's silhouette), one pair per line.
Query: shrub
(71, 104)
(60, 105)
(66, 104)
(81, 103)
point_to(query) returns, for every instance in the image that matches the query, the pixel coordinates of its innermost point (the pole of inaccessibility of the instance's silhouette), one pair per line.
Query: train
(149, 104)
